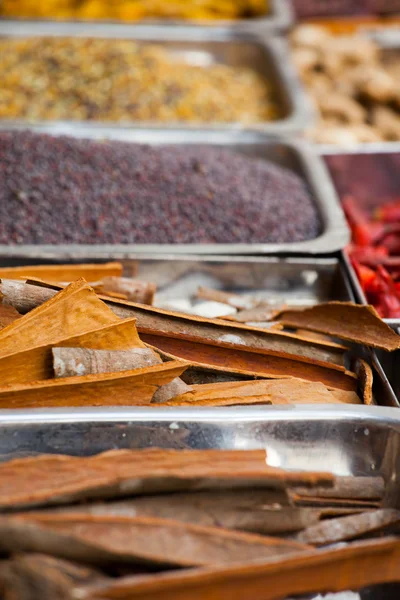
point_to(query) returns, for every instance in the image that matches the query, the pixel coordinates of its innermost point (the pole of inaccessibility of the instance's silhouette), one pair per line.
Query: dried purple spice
(64, 190)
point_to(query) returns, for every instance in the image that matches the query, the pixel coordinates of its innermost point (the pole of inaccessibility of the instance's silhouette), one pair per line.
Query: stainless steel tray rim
(306, 412)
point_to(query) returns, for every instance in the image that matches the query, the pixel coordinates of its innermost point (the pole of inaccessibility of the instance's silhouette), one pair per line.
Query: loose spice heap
(64, 190)
(353, 83)
(375, 253)
(199, 512)
(63, 345)
(133, 10)
(368, 186)
(123, 81)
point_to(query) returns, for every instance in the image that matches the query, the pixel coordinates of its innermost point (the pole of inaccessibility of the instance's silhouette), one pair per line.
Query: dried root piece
(387, 122)
(347, 110)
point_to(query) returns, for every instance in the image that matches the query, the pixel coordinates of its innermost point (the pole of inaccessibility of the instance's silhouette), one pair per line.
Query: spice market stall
(194, 395)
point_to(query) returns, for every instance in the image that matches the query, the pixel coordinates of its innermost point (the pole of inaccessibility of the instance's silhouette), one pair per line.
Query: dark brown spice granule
(64, 190)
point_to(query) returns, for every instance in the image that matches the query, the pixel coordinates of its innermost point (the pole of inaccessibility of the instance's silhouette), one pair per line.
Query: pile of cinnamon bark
(190, 524)
(90, 344)
(194, 523)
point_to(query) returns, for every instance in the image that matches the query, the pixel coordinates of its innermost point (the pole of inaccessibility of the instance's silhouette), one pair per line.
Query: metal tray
(352, 441)
(298, 156)
(268, 56)
(279, 18)
(294, 281)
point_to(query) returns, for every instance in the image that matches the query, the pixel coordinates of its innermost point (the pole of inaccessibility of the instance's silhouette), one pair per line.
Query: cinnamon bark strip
(128, 388)
(251, 363)
(133, 289)
(8, 314)
(140, 540)
(355, 488)
(41, 577)
(274, 391)
(59, 273)
(260, 313)
(73, 361)
(74, 310)
(258, 511)
(36, 363)
(350, 527)
(344, 320)
(365, 381)
(333, 569)
(58, 479)
(321, 502)
(156, 321)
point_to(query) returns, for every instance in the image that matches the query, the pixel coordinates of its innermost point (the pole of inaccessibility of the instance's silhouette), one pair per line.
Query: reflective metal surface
(360, 441)
(348, 440)
(268, 56)
(297, 156)
(279, 18)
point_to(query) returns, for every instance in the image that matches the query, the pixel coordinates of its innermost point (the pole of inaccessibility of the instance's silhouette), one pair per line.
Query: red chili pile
(375, 253)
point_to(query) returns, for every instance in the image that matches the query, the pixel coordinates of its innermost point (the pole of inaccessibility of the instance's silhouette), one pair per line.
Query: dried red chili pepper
(388, 213)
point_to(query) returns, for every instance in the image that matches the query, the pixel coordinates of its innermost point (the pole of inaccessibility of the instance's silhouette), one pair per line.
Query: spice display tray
(293, 281)
(298, 156)
(269, 56)
(279, 18)
(359, 441)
